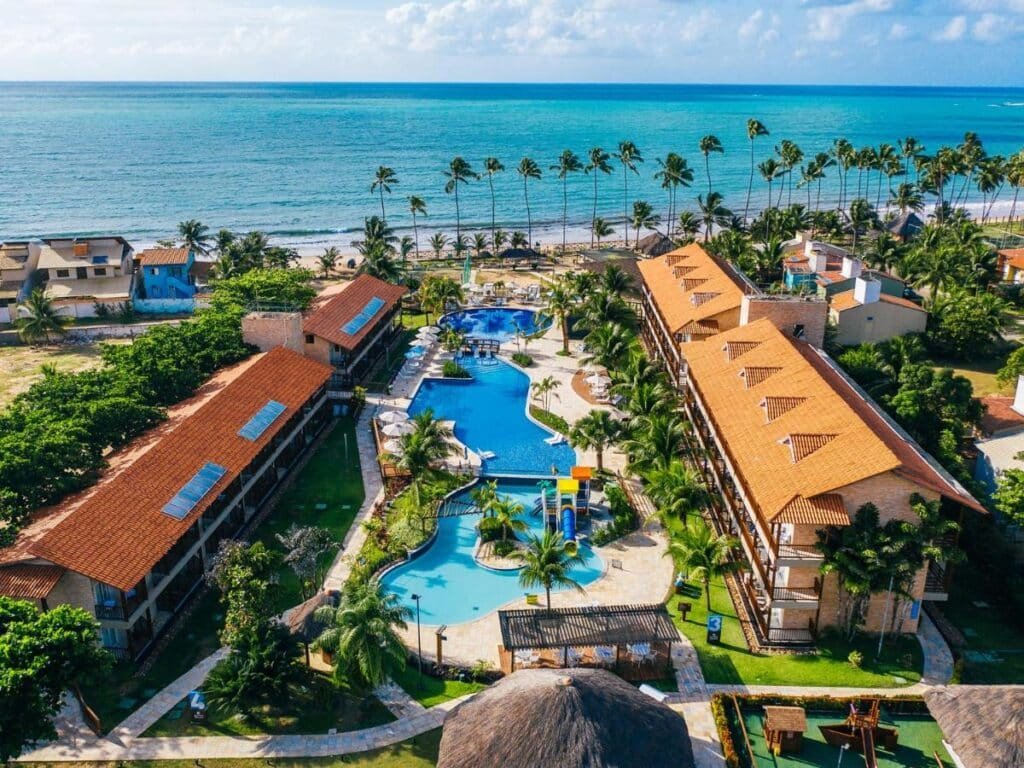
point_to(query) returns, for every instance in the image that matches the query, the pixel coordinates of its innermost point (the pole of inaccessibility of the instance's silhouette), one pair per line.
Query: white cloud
(953, 31)
(899, 31)
(830, 22)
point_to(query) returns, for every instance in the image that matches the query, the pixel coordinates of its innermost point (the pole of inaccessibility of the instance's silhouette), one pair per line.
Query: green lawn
(732, 663)
(429, 691)
(994, 652)
(981, 374)
(418, 752)
(323, 704)
(332, 481)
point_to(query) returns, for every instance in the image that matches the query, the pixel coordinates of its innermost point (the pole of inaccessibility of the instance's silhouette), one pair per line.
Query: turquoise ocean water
(296, 160)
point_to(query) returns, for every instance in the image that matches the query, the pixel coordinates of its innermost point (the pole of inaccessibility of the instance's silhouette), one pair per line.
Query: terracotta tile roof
(754, 375)
(776, 406)
(734, 349)
(803, 445)
(1013, 256)
(826, 509)
(845, 300)
(864, 445)
(999, 415)
(29, 582)
(158, 257)
(328, 320)
(700, 328)
(780, 718)
(722, 287)
(120, 532)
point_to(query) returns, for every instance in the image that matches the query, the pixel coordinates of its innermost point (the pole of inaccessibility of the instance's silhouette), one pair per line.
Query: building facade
(137, 546)
(18, 261)
(80, 273)
(864, 314)
(166, 273)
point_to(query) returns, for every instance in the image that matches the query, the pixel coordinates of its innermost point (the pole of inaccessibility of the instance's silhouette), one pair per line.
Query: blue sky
(969, 42)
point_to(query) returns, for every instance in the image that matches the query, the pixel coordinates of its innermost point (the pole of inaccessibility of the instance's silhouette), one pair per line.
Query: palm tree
(600, 228)
(508, 514)
(519, 240)
(709, 144)
(644, 217)
(328, 260)
(484, 495)
(498, 240)
(790, 154)
(1015, 178)
(405, 247)
(223, 240)
(38, 318)
(655, 440)
(544, 389)
(676, 489)
(822, 162)
(628, 156)
(561, 301)
(195, 235)
(615, 280)
(703, 554)
(910, 149)
(362, 632)
(438, 241)
(429, 441)
(567, 163)
(416, 206)
(845, 155)
(862, 216)
(674, 172)
(755, 128)
(907, 197)
(492, 165)
(597, 161)
(597, 430)
(712, 212)
(528, 169)
(437, 292)
(459, 172)
(380, 262)
(609, 345)
(687, 226)
(382, 182)
(546, 563)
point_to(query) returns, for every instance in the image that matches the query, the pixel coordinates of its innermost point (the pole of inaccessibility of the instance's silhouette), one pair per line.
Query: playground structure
(861, 732)
(564, 501)
(784, 729)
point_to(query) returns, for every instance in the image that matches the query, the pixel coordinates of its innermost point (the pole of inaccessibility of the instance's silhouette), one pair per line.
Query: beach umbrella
(397, 430)
(392, 446)
(430, 329)
(393, 417)
(598, 380)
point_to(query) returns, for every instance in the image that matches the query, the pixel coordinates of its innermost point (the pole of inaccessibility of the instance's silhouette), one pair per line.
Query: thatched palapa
(655, 244)
(572, 718)
(983, 724)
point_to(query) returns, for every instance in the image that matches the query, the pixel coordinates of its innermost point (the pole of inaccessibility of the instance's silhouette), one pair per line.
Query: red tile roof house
(352, 330)
(134, 548)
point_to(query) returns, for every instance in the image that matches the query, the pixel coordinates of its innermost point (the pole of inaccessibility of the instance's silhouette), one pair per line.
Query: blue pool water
(489, 412)
(496, 323)
(453, 588)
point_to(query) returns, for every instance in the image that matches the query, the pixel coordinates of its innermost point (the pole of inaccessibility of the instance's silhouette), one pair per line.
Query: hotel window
(100, 272)
(63, 273)
(309, 338)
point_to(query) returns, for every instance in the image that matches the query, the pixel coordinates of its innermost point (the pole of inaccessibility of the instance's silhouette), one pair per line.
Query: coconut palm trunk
(529, 219)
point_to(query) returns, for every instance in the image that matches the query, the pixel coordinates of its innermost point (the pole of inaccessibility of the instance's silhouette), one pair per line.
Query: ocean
(297, 160)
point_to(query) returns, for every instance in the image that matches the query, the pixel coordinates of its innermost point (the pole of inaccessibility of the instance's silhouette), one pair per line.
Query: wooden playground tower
(861, 732)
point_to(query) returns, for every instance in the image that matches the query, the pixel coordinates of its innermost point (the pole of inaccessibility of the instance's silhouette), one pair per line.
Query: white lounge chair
(555, 440)
(486, 454)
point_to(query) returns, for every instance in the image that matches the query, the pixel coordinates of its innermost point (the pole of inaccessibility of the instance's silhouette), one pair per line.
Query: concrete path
(398, 702)
(211, 747)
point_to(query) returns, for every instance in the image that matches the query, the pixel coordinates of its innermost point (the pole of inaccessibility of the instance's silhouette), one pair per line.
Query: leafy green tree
(547, 561)
(328, 260)
(508, 514)
(568, 163)
(437, 291)
(362, 633)
(266, 288)
(242, 572)
(383, 180)
(615, 280)
(602, 307)
(628, 156)
(703, 554)
(261, 670)
(598, 431)
(1008, 497)
(655, 440)
(485, 495)
(39, 319)
(1012, 369)
(305, 546)
(964, 326)
(41, 656)
(676, 489)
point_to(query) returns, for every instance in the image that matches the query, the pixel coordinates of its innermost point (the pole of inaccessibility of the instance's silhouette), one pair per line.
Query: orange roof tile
(776, 406)
(845, 300)
(29, 582)
(120, 532)
(803, 445)
(328, 320)
(155, 257)
(701, 328)
(1013, 256)
(721, 289)
(999, 415)
(826, 509)
(863, 445)
(736, 348)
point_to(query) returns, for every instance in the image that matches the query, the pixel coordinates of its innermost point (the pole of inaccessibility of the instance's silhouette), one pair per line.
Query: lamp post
(419, 645)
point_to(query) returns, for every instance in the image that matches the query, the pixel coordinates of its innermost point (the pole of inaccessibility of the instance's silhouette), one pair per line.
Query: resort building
(865, 314)
(18, 262)
(350, 330)
(1010, 265)
(80, 273)
(132, 549)
(689, 295)
(812, 266)
(793, 447)
(166, 273)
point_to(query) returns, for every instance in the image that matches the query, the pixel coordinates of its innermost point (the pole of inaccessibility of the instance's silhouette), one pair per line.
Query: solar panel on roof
(186, 499)
(355, 325)
(264, 417)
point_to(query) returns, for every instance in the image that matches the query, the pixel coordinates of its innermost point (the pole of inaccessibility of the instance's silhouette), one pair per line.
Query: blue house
(166, 273)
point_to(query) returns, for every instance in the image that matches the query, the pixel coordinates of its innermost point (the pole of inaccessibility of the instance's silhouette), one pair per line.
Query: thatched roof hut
(524, 254)
(655, 244)
(906, 226)
(301, 620)
(564, 718)
(983, 724)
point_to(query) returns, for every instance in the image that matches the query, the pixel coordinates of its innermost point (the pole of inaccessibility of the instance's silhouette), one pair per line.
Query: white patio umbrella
(598, 380)
(398, 429)
(393, 417)
(426, 335)
(430, 329)
(392, 446)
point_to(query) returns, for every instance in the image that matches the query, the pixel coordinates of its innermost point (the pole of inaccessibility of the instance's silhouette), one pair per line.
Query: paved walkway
(211, 747)
(398, 702)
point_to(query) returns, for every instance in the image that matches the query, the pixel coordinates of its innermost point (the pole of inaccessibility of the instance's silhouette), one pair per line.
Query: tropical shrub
(522, 359)
(452, 370)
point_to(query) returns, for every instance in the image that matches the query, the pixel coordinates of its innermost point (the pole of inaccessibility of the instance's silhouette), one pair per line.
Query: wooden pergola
(635, 641)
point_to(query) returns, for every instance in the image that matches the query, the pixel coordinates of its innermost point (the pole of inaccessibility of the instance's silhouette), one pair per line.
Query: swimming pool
(489, 415)
(499, 324)
(452, 587)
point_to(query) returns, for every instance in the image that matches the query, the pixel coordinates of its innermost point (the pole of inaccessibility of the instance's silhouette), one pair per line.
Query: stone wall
(267, 330)
(786, 313)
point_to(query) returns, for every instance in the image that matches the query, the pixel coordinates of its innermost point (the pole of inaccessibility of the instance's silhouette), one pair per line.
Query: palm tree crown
(383, 180)
(459, 172)
(703, 554)
(528, 169)
(547, 562)
(568, 163)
